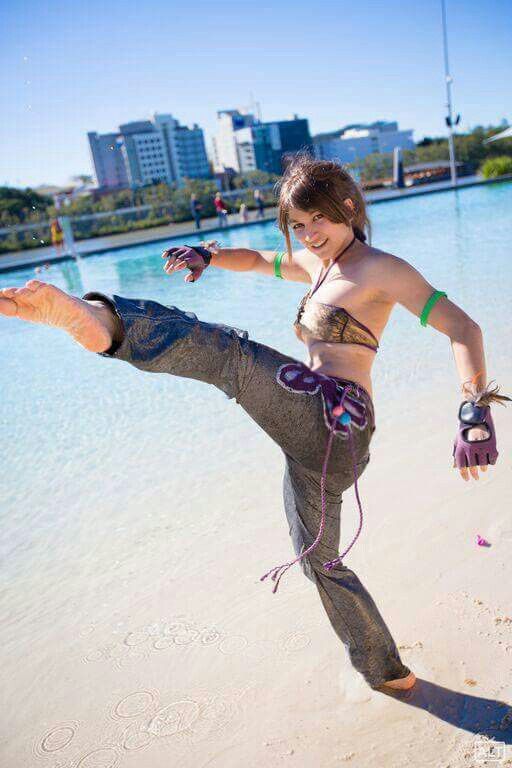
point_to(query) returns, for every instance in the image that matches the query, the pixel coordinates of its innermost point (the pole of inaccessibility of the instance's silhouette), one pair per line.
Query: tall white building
(145, 154)
(226, 152)
(152, 151)
(356, 143)
(185, 148)
(107, 159)
(244, 143)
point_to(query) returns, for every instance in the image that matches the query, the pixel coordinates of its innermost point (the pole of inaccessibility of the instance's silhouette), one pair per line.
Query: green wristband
(277, 264)
(429, 305)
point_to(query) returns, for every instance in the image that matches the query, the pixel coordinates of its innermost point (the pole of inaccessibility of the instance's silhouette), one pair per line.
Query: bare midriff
(344, 361)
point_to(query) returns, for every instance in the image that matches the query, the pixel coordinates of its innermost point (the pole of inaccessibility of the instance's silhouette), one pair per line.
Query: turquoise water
(92, 448)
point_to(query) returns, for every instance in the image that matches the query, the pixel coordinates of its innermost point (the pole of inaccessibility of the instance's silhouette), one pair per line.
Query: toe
(33, 285)
(7, 293)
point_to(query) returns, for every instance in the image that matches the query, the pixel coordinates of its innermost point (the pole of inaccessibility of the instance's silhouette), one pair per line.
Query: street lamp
(450, 122)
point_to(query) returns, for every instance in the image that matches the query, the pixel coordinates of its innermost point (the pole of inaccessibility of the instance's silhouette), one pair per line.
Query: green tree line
(173, 205)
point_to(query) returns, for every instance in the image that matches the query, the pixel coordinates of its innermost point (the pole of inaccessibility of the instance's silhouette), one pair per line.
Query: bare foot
(401, 683)
(39, 302)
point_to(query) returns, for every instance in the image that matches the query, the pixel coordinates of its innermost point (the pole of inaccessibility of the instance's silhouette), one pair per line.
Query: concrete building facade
(145, 154)
(357, 142)
(243, 144)
(185, 148)
(225, 148)
(149, 152)
(107, 159)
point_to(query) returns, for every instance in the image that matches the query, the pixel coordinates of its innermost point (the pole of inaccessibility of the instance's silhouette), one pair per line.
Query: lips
(318, 245)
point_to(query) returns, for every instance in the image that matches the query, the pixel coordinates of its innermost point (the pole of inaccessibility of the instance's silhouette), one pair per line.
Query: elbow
(465, 330)
(471, 330)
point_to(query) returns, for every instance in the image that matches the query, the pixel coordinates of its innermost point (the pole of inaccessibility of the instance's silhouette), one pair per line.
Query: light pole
(450, 122)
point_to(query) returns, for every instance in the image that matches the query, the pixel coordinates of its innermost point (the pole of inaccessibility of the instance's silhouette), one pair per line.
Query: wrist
(212, 249)
(482, 394)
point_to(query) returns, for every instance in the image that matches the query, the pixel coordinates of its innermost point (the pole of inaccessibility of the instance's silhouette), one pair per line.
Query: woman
(221, 209)
(57, 236)
(320, 414)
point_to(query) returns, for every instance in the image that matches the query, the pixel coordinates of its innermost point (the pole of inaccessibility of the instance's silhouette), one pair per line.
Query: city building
(148, 152)
(185, 148)
(225, 148)
(355, 142)
(108, 160)
(145, 154)
(243, 143)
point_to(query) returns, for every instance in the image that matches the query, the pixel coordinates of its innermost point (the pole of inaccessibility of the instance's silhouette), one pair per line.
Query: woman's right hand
(185, 257)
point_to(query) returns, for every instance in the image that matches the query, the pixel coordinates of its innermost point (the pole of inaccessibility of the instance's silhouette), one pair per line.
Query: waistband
(360, 392)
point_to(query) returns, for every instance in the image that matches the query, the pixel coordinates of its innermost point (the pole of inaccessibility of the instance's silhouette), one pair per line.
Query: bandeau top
(329, 323)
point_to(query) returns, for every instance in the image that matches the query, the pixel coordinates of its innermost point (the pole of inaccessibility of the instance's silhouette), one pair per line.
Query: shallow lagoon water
(126, 495)
(85, 439)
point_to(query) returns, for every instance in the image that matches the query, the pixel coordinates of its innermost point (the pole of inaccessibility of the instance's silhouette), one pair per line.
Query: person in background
(244, 213)
(221, 208)
(195, 210)
(57, 236)
(260, 202)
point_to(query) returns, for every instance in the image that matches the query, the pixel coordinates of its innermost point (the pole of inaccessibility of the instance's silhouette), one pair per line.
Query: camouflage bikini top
(330, 323)
(334, 324)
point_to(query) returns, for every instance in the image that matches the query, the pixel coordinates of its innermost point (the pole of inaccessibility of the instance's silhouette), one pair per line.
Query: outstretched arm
(241, 260)
(401, 283)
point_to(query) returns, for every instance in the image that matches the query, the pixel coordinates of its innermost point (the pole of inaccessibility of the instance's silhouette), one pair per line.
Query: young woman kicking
(319, 412)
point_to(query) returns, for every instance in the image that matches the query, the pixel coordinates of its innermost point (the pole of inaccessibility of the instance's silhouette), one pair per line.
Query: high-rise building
(152, 151)
(185, 148)
(145, 154)
(355, 142)
(108, 161)
(225, 149)
(243, 144)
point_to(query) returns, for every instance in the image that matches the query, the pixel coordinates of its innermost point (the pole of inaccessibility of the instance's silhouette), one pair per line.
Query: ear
(349, 204)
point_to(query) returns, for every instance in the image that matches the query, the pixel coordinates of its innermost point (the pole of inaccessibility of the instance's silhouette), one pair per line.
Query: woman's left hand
(476, 433)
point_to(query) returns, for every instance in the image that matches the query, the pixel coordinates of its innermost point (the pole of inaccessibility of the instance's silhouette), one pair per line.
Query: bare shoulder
(378, 261)
(388, 276)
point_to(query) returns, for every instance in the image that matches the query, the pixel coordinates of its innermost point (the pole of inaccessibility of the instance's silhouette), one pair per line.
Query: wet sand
(164, 648)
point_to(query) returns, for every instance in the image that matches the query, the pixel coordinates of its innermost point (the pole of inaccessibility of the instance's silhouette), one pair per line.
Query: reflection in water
(71, 272)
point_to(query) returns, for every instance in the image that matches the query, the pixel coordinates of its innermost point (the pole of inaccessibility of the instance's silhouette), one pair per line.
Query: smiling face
(318, 234)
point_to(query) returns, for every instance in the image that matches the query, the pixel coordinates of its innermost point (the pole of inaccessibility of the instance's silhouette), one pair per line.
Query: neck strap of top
(338, 257)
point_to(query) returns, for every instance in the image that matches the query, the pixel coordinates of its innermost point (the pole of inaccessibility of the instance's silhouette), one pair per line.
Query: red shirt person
(221, 208)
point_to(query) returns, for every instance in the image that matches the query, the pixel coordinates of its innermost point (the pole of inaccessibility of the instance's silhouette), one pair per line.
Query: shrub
(497, 166)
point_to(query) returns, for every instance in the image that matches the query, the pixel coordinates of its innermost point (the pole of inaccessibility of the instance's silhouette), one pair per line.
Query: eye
(318, 215)
(296, 225)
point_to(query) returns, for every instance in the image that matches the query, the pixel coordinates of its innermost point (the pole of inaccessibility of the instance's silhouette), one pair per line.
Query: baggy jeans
(163, 339)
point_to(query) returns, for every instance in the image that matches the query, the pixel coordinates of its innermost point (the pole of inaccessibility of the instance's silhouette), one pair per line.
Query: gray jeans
(164, 339)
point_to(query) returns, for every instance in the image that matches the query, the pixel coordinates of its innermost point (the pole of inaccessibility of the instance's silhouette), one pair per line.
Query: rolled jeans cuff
(121, 308)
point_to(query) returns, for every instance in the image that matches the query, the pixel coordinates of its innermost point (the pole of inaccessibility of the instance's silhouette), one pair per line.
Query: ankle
(108, 319)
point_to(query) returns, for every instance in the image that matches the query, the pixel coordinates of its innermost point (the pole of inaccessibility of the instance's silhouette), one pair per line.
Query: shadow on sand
(486, 717)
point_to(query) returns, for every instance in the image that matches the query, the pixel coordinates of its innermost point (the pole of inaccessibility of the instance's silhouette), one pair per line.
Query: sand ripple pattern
(178, 720)
(56, 739)
(181, 632)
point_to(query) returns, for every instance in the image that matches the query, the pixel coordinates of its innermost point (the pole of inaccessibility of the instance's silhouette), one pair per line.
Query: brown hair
(320, 185)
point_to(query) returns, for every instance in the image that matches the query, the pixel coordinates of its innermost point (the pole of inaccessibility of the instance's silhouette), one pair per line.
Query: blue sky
(70, 67)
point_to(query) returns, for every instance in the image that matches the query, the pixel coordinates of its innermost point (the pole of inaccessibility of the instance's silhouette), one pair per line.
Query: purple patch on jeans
(297, 377)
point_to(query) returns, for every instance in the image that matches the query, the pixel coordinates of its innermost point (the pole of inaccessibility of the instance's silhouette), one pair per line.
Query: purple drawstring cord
(278, 572)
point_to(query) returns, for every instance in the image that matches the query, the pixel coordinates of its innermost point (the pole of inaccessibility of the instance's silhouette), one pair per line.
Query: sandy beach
(185, 658)
(136, 632)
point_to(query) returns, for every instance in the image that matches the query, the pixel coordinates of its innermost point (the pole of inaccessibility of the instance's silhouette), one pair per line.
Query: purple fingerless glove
(474, 453)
